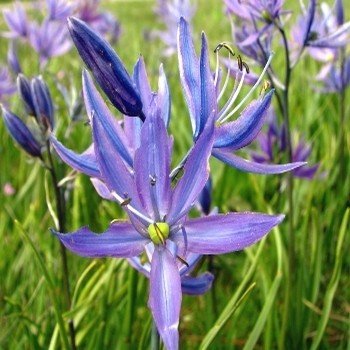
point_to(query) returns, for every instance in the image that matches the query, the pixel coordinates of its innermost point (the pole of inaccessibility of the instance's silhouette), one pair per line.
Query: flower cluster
(129, 163)
(49, 38)
(36, 99)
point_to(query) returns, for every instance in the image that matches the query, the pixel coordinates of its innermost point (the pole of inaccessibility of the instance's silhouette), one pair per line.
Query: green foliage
(109, 304)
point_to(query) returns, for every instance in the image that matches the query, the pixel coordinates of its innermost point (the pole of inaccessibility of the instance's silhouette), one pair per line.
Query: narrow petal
(252, 167)
(310, 16)
(21, 133)
(102, 189)
(95, 105)
(208, 91)
(113, 170)
(106, 67)
(197, 285)
(196, 174)
(189, 72)
(163, 97)
(225, 233)
(152, 166)
(120, 240)
(85, 162)
(165, 296)
(244, 130)
(307, 172)
(142, 84)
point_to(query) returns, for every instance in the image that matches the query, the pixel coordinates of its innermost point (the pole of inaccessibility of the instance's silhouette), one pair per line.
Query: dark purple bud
(24, 91)
(21, 134)
(106, 67)
(339, 12)
(12, 58)
(42, 103)
(205, 197)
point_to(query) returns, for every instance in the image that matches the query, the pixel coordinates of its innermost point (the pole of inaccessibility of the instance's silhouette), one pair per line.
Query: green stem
(60, 205)
(290, 184)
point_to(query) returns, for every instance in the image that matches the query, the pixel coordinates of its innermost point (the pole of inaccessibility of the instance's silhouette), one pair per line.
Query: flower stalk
(60, 205)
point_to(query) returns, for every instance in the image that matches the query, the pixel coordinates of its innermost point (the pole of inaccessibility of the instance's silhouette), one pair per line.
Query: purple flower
(103, 22)
(12, 58)
(273, 148)
(21, 134)
(170, 12)
(7, 86)
(322, 32)
(158, 212)
(50, 39)
(332, 77)
(16, 20)
(107, 68)
(59, 10)
(202, 96)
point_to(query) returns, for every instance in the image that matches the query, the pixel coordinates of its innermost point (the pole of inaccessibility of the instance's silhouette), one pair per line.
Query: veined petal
(142, 84)
(310, 16)
(243, 131)
(95, 105)
(152, 166)
(252, 167)
(189, 72)
(196, 174)
(120, 240)
(225, 233)
(197, 285)
(165, 296)
(113, 170)
(106, 67)
(208, 91)
(132, 129)
(85, 162)
(163, 97)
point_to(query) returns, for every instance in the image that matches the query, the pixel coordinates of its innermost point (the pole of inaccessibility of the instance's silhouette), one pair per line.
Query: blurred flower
(273, 146)
(12, 58)
(103, 22)
(321, 32)
(7, 86)
(59, 10)
(158, 212)
(333, 78)
(8, 189)
(170, 12)
(16, 20)
(50, 39)
(202, 95)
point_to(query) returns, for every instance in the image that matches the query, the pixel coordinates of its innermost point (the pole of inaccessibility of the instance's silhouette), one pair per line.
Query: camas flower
(16, 20)
(273, 147)
(158, 213)
(7, 86)
(170, 12)
(203, 94)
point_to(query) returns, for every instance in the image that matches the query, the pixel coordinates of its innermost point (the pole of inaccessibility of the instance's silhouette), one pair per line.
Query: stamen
(233, 98)
(124, 202)
(240, 63)
(216, 50)
(246, 67)
(153, 179)
(251, 90)
(182, 260)
(266, 85)
(226, 81)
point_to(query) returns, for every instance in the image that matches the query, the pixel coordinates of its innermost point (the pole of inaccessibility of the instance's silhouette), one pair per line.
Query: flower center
(159, 232)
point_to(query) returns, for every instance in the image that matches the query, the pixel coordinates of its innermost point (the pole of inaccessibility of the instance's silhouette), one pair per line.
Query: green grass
(110, 299)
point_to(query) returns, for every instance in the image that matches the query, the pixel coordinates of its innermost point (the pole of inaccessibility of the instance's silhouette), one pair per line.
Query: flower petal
(197, 285)
(243, 131)
(165, 296)
(225, 233)
(196, 174)
(106, 67)
(189, 72)
(120, 240)
(85, 162)
(253, 167)
(102, 189)
(95, 105)
(152, 166)
(163, 97)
